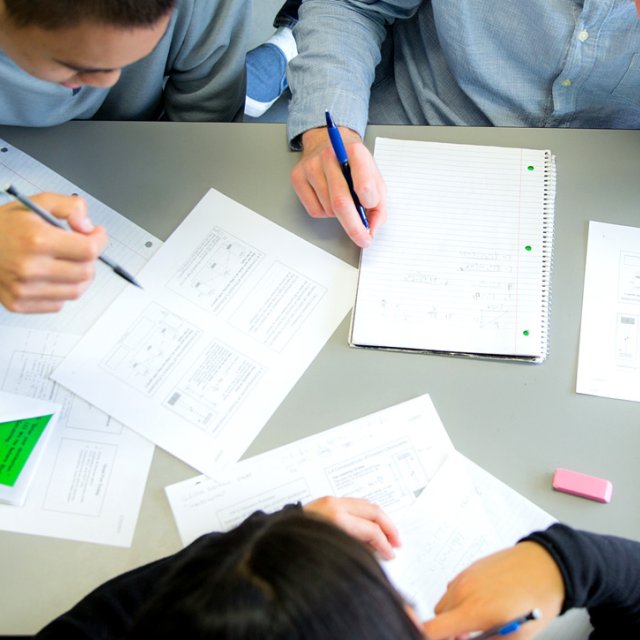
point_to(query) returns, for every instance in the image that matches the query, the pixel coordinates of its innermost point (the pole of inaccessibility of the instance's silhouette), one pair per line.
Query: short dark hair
(55, 14)
(282, 576)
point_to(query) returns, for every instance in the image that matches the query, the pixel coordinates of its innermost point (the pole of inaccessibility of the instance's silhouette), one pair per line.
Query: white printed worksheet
(233, 311)
(90, 483)
(449, 512)
(609, 360)
(387, 457)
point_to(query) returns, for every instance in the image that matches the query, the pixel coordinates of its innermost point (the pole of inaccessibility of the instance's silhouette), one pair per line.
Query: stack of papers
(91, 478)
(449, 511)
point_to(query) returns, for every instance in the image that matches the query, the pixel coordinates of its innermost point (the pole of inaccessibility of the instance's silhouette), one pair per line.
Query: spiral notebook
(462, 265)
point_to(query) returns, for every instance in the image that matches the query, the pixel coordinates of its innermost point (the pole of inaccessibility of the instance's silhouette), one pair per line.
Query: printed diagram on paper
(609, 361)
(233, 311)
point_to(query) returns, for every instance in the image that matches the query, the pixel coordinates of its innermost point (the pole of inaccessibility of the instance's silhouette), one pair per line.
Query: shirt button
(583, 35)
(566, 83)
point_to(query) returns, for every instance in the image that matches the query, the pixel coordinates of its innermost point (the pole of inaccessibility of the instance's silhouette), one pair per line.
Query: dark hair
(285, 576)
(55, 14)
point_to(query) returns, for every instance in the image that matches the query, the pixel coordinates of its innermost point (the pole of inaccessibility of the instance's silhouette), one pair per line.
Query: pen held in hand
(343, 161)
(45, 215)
(508, 627)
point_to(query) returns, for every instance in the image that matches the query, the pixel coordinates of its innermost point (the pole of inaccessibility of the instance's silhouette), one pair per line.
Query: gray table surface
(518, 421)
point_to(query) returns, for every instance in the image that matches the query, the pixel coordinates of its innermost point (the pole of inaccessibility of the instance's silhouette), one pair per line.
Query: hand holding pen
(320, 183)
(516, 591)
(41, 266)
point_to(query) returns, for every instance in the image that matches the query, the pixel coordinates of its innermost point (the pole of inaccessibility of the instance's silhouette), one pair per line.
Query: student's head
(81, 42)
(284, 576)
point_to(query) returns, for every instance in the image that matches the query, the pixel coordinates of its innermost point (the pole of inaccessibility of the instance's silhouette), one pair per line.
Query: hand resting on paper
(322, 189)
(361, 519)
(41, 266)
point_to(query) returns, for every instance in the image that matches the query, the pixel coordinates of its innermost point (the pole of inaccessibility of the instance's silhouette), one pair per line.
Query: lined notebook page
(462, 263)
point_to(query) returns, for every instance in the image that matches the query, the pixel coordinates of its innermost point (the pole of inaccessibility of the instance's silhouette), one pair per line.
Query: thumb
(446, 625)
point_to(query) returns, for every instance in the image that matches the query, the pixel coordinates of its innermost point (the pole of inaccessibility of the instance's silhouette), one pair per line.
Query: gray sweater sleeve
(196, 73)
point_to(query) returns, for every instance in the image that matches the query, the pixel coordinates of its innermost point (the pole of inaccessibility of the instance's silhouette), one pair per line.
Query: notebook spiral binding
(547, 239)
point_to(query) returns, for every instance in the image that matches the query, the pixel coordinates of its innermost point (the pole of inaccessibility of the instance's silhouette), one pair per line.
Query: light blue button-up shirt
(528, 63)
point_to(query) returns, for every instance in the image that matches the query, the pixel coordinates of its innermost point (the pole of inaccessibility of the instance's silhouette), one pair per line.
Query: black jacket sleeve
(601, 573)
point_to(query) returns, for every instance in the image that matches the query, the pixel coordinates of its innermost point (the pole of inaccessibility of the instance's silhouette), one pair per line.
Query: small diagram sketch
(277, 306)
(217, 384)
(627, 339)
(215, 271)
(149, 350)
(29, 373)
(391, 476)
(629, 277)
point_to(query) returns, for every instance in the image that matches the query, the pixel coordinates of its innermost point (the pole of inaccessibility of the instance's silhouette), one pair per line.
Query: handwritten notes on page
(449, 511)
(463, 263)
(233, 311)
(609, 361)
(90, 482)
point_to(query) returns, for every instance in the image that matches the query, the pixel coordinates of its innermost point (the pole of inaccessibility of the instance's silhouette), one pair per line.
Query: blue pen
(343, 161)
(509, 627)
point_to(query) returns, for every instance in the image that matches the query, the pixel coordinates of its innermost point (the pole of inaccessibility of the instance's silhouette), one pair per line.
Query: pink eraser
(580, 484)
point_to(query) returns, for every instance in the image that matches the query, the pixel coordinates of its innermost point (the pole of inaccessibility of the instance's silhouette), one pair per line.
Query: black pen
(45, 215)
(343, 161)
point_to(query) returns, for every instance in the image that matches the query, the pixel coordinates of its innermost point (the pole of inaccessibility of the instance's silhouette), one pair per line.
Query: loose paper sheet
(233, 311)
(387, 457)
(609, 361)
(89, 485)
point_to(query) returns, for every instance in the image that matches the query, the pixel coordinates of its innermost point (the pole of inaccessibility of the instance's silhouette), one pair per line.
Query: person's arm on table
(41, 266)
(338, 49)
(553, 571)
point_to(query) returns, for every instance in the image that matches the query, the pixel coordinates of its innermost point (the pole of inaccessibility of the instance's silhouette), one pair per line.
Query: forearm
(338, 50)
(601, 573)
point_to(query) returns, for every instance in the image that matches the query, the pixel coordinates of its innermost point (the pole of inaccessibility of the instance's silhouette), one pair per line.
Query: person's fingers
(371, 534)
(66, 208)
(308, 198)
(361, 519)
(367, 180)
(46, 239)
(54, 271)
(30, 306)
(374, 513)
(40, 297)
(340, 201)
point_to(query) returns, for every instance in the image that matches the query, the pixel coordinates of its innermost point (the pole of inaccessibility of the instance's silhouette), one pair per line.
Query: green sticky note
(18, 439)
